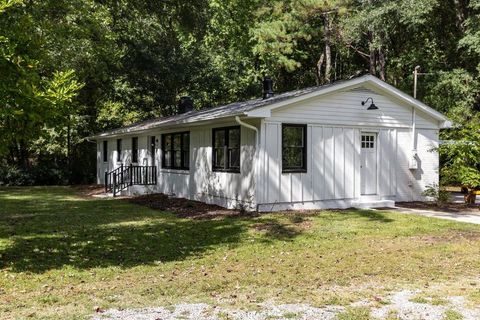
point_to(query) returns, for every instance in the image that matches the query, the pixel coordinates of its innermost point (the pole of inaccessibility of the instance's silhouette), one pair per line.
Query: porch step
(366, 204)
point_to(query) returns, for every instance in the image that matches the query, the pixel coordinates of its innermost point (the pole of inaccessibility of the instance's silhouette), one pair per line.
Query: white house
(354, 143)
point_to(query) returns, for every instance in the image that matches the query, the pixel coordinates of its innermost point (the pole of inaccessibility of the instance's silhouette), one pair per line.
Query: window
(135, 150)
(294, 150)
(105, 151)
(152, 149)
(226, 149)
(176, 150)
(119, 150)
(368, 141)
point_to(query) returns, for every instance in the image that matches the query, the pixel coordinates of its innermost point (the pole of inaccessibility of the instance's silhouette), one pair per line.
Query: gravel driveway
(399, 304)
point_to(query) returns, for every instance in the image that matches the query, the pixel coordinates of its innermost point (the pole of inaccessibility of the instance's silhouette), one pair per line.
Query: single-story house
(353, 143)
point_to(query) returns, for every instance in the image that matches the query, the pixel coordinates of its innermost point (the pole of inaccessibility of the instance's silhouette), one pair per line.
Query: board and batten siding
(333, 165)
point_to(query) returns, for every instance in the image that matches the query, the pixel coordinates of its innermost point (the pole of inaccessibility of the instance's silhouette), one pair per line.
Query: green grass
(452, 315)
(61, 255)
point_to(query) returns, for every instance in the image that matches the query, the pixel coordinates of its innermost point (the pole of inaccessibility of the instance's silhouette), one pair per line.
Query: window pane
(293, 136)
(105, 151)
(134, 149)
(152, 149)
(186, 141)
(219, 138)
(219, 158)
(292, 157)
(167, 159)
(234, 138)
(167, 142)
(177, 162)
(234, 158)
(177, 142)
(186, 159)
(119, 150)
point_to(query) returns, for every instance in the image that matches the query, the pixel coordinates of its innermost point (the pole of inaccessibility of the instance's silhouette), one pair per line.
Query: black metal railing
(126, 176)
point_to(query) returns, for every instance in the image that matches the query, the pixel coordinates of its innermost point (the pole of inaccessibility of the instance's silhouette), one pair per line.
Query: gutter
(246, 125)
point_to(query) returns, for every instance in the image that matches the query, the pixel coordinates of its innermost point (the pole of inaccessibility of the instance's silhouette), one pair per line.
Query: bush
(40, 174)
(439, 195)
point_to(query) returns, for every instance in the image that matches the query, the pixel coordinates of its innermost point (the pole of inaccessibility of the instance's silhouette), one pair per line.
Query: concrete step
(366, 204)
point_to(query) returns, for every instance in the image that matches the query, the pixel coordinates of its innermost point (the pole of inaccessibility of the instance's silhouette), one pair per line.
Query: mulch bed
(184, 208)
(447, 207)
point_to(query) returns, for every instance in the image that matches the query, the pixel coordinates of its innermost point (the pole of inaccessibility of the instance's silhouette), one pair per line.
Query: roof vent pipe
(267, 87)
(185, 105)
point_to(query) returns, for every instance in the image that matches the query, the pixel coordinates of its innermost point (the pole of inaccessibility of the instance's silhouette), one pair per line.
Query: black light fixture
(372, 106)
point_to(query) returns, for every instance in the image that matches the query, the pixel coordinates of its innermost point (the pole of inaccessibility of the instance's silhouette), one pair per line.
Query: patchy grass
(61, 255)
(358, 313)
(452, 315)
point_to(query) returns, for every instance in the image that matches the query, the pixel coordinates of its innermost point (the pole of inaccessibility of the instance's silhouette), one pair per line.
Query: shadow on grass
(45, 229)
(274, 229)
(370, 215)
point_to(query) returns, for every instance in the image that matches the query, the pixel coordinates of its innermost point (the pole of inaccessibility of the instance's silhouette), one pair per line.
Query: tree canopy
(72, 68)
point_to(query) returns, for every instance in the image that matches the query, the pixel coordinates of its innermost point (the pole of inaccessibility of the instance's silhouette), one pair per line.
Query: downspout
(257, 145)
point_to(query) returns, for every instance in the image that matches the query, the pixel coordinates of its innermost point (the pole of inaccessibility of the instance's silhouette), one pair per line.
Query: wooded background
(70, 68)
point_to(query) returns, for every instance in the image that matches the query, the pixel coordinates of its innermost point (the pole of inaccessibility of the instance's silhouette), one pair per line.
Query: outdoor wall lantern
(372, 106)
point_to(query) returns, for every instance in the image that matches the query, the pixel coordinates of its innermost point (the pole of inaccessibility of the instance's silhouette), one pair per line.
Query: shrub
(40, 174)
(437, 193)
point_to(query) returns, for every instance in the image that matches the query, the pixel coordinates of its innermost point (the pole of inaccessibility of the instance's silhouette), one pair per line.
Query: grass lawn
(61, 255)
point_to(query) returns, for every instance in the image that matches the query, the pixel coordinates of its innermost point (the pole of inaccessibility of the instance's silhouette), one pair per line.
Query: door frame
(375, 132)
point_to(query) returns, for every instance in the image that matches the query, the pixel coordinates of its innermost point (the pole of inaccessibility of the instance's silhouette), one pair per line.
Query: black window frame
(226, 167)
(302, 169)
(172, 151)
(119, 150)
(105, 151)
(134, 149)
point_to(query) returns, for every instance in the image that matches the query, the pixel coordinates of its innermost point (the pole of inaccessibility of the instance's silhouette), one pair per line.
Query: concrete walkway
(456, 216)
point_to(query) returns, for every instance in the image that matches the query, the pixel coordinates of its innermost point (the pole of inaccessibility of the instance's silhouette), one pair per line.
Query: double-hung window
(134, 150)
(176, 150)
(294, 148)
(226, 149)
(119, 150)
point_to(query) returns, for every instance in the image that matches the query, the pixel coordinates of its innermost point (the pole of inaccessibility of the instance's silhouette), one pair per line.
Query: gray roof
(244, 107)
(229, 110)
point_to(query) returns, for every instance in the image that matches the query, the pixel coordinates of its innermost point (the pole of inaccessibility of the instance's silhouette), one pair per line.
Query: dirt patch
(87, 191)
(448, 207)
(185, 208)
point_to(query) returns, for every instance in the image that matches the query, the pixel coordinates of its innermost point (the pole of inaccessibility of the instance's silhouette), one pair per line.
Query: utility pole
(415, 76)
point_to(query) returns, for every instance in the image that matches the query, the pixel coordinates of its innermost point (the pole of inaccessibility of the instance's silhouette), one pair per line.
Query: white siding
(411, 183)
(200, 182)
(335, 123)
(345, 109)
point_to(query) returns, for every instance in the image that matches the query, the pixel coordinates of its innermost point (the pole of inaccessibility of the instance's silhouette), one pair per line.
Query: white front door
(368, 175)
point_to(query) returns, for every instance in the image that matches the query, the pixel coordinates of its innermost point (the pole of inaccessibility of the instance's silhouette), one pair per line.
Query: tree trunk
(328, 52)
(461, 13)
(318, 75)
(381, 64)
(373, 59)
